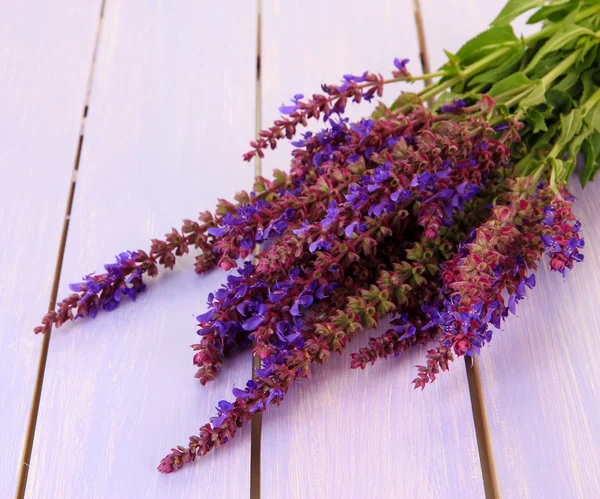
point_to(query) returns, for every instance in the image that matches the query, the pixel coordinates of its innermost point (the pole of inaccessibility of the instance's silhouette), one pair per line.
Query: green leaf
(502, 110)
(279, 177)
(568, 81)
(589, 87)
(590, 51)
(567, 169)
(570, 124)
(546, 65)
(592, 119)
(454, 60)
(556, 166)
(561, 101)
(515, 8)
(405, 99)
(379, 112)
(260, 185)
(546, 110)
(514, 82)
(486, 40)
(595, 139)
(536, 96)
(530, 166)
(577, 142)
(556, 42)
(590, 158)
(452, 67)
(553, 13)
(443, 98)
(537, 120)
(511, 62)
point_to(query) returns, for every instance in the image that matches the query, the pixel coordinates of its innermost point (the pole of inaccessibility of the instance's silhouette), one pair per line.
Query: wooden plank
(171, 112)
(350, 433)
(45, 56)
(451, 23)
(309, 43)
(540, 377)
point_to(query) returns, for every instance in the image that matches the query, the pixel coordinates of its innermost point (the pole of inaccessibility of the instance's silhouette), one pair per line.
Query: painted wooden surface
(349, 433)
(171, 112)
(541, 379)
(450, 23)
(45, 56)
(540, 374)
(308, 43)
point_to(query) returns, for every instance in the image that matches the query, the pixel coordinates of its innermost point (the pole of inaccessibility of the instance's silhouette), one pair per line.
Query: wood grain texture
(45, 57)
(308, 43)
(540, 376)
(541, 379)
(171, 112)
(450, 23)
(350, 433)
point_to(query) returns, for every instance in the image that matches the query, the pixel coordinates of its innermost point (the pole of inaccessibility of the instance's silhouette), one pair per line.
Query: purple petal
(253, 323)
(218, 421)
(205, 317)
(288, 109)
(217, 231)
(350, 229)
(240, 394)
(225, 406)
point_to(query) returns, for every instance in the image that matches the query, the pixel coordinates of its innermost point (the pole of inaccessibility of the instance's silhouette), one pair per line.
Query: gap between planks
(482, 430)
(256, 425)
(480, 419)
(37, 391)
(425, 66)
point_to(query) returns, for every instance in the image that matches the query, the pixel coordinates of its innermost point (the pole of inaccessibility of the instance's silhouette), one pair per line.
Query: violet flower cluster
(412, 215)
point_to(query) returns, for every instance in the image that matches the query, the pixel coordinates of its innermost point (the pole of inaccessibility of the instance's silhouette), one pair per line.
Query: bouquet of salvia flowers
(437, 217)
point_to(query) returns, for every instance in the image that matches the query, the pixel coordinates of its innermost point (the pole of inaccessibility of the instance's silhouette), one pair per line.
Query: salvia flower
(497, 262)
(420, 217)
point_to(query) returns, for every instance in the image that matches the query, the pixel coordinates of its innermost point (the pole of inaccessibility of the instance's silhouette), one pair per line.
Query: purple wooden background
(171, 104)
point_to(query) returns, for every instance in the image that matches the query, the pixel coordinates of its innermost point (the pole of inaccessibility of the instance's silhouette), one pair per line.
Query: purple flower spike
(400, 70)
(456, 106)
(291, 109)
(319, 244)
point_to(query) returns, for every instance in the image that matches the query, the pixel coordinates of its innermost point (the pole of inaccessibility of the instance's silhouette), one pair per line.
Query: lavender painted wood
(540, 376)
(350, 433)
(450, 23)
(540, 379)
(45, 56)
(171, 111)
(308, 43)
(354, 434)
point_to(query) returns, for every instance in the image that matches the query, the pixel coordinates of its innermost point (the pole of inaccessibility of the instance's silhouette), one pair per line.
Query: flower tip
(401, 63)
(249, 155)
(226, 265)
(165, 466)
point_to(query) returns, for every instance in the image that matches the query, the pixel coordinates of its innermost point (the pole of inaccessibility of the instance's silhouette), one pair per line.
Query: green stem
(591, 102)
(427, 76)
(560, 68)
(538, 173)
(549, 30)
(518, 98)
(436, 88)
(545, 32)
(522, 164)
(510, 93)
